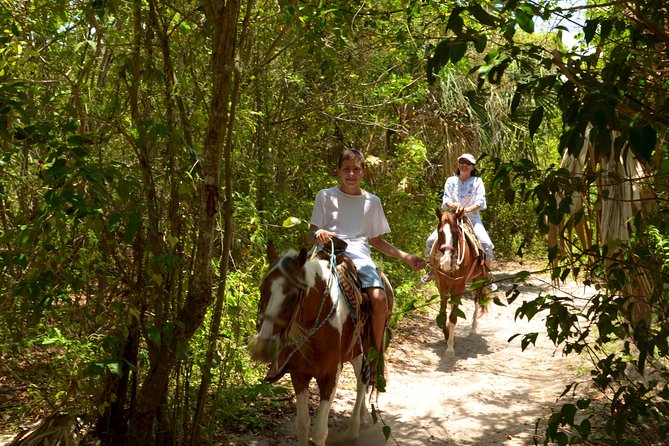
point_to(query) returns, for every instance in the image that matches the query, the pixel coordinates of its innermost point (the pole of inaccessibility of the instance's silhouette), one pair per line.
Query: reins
(463, 241)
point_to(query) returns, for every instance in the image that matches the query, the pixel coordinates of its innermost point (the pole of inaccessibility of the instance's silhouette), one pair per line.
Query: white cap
(467, 156)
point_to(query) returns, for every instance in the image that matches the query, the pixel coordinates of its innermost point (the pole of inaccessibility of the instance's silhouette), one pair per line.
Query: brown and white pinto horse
(455, 260)
(303, 315)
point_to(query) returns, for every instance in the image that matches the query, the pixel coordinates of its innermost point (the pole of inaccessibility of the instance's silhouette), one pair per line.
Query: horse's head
(281, 290)
(446, 237)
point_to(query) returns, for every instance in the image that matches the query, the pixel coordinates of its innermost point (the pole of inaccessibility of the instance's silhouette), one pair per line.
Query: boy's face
(350, 173)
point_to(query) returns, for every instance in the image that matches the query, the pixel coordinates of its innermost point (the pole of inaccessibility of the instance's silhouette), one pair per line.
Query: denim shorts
(369, 277)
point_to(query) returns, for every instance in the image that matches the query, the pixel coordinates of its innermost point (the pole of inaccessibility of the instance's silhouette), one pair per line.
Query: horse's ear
(271, 252)
(301, 258)
(437, 211)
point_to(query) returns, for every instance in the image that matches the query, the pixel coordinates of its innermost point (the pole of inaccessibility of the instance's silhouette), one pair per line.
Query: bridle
(293, 280)
(303, 288)
(457, 231)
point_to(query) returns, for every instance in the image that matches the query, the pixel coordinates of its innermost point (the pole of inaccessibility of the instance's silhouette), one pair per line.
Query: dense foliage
(151, 149)
(605, 206)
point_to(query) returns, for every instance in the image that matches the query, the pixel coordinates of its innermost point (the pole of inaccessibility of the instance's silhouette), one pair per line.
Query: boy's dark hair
(353, 155)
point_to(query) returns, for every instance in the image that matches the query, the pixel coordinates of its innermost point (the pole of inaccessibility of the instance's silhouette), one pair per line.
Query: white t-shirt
(354, 218)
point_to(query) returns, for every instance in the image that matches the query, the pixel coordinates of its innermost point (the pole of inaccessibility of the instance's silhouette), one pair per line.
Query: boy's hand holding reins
(415, 262)
(322, 236)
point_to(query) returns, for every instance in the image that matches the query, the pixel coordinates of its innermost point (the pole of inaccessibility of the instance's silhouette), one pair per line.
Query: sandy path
(491, 393)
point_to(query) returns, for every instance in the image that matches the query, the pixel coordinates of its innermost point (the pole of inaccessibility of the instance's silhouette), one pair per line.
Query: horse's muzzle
(263, 349)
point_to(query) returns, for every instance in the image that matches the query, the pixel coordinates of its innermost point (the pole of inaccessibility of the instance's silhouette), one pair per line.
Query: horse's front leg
(302, 419)
(450, 341)
(449, 325)
(327, 387)
(477, 306)
(359, 414)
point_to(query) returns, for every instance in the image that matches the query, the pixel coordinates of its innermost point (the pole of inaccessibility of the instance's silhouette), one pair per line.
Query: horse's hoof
(449, 354)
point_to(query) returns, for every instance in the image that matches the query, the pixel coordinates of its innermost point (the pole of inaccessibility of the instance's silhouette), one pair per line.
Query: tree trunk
(225, 255)
(223, 16)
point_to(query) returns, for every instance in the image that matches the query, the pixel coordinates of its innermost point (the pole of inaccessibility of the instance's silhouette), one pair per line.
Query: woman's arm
(449, 200)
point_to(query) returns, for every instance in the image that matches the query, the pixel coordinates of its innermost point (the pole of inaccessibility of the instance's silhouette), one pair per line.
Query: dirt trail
(491, 393)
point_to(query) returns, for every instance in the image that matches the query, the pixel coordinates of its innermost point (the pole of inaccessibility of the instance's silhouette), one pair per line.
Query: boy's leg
(379, 315)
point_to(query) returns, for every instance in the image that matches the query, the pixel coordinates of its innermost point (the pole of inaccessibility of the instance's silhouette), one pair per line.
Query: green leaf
(481, 15)
(561, 438)
(438, 60)
(524, 20)
(480, 42)
(457, 51)
(568, 411)
(515, 102)
(455, 22)
(606, 28)
(584, 428)
(154, 335)
(182, 350)
(290, 222)
(643, 139)
(96, 368)
(529, 338)
(535, 120)
(386, 432)
(441, 320)
(115, 368)
(459, 313)
(134, 223)
(590, 29)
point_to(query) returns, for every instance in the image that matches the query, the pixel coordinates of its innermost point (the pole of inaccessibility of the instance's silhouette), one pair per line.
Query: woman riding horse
(455, 260)
(465, 191)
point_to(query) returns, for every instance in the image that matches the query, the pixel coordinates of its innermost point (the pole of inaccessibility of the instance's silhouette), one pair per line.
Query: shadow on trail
(466, 347)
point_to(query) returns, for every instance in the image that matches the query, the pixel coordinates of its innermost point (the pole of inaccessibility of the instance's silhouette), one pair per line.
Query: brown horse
(306, 325)
(455, 260)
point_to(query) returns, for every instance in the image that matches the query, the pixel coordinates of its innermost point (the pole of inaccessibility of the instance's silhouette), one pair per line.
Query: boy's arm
(414, 261)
